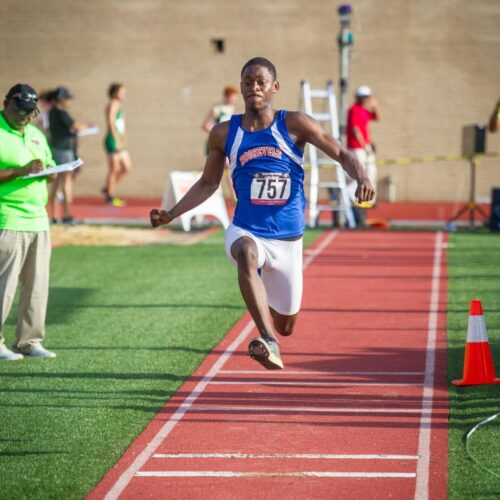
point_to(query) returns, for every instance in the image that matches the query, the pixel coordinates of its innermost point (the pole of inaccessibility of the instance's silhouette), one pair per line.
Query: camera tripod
(471, 206)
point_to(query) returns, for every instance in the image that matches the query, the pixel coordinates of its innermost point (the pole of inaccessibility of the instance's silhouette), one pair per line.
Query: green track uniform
(22, 201)
(223, 113)
(109, 141)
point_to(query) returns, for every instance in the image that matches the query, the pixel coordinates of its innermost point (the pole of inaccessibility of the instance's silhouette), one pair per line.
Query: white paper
(64, 167)
(88, 131)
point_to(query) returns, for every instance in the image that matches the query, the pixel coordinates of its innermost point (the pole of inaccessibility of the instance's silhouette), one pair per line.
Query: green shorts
(110, 144)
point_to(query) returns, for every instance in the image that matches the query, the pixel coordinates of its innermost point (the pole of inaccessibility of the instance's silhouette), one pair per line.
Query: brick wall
(432, 65)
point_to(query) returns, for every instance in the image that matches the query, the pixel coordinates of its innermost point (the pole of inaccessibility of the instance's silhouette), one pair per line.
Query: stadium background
(433, 65)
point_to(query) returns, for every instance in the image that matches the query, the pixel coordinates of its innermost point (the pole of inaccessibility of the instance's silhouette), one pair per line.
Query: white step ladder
(339, 185)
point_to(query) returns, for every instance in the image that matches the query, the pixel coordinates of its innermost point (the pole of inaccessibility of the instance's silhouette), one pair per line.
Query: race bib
(270, 189)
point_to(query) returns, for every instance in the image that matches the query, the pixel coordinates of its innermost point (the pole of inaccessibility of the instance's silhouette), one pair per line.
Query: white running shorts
(280, 263)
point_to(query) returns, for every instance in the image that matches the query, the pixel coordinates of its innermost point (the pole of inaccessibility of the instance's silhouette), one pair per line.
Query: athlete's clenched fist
(159, 217)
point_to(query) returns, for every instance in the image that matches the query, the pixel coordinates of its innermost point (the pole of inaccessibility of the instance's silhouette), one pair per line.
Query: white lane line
(145, 455)
(314, 253)
(208, 473)
(300, 409)
(424, 439)
(322, 384)
(306, 456)
(290, 372)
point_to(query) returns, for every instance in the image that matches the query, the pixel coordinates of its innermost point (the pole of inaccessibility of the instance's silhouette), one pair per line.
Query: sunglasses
(26, 97)
(30, 113)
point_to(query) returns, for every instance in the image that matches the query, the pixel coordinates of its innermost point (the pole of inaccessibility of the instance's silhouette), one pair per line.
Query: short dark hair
(61, 93)
(261, 61)
(113, 89)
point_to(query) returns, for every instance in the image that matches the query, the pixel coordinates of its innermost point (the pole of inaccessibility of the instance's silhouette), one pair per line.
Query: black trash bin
(495, 210)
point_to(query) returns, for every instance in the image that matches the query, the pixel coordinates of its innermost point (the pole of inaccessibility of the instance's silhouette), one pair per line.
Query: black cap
(61, 93)
(24, 96)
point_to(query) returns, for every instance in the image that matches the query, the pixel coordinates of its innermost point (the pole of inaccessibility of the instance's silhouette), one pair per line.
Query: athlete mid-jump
(265, 148)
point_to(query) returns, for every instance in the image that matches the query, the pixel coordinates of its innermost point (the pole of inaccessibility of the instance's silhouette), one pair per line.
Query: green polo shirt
(22, 201)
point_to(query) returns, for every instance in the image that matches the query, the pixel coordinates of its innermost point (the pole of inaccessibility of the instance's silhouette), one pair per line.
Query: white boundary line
(300, 383)
(424, 438)
(151, 447)
(307, 456)
(208, 473)
(145, 455)
(290, 372)
(314, 253)
(301, 409)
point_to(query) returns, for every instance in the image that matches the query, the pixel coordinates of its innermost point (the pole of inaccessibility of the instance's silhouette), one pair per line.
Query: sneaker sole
(258, 350)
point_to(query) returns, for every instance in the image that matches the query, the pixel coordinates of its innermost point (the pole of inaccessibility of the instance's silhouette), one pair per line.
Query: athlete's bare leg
(125, 164)
(283, 324)
(113, 173)
(252, 289)
(67, 190)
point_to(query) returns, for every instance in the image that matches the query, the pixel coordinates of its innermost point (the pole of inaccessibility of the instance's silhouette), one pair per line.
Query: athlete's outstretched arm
(307, 129)
(204, 187)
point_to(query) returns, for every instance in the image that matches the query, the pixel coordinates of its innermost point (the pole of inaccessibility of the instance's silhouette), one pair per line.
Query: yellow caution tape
(425, 159)
(428, 159)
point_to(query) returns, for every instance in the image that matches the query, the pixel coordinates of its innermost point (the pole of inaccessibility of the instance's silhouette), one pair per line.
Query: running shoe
(266, 352)
(117, 202)
(7, 355)
(70, 221)
(38, 351)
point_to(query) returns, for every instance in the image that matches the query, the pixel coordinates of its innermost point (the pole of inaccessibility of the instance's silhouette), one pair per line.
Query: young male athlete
(265, 150)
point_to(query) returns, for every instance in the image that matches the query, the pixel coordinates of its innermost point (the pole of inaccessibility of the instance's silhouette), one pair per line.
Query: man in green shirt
(24, 226)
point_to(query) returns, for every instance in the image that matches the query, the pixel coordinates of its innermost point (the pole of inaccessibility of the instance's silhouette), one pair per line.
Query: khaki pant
(25, 258)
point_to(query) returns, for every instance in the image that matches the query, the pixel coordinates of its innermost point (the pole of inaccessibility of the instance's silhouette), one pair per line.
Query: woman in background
(119, 162)
(63, 140)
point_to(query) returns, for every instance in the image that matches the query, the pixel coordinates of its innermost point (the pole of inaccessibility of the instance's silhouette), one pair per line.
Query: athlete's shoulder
(218, 135)
(221, 129)
(297, 118)
(298, 122)
(114, 104)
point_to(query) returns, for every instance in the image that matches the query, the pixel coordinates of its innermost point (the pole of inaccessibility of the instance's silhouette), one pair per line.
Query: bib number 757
(270, 189)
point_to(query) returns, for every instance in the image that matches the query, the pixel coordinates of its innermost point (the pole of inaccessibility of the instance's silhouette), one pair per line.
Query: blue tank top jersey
(268, 178)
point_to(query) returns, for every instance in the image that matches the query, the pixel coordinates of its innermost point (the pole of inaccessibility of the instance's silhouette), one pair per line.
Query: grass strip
(474, 273)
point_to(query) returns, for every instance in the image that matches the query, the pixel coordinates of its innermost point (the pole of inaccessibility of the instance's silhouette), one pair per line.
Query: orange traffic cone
(478, 363)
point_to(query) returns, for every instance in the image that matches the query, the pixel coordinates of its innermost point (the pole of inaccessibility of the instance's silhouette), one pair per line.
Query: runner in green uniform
(110, 142)
(119, 161)
(220, 113)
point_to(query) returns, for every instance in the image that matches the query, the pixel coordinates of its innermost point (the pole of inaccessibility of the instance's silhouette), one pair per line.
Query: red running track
(360, 411)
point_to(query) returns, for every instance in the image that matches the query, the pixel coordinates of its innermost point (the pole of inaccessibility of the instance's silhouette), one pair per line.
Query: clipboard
(88, 131)
(63, 167)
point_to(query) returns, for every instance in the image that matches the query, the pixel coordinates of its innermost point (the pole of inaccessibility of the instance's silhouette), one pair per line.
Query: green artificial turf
(474, 273)
(129, 324)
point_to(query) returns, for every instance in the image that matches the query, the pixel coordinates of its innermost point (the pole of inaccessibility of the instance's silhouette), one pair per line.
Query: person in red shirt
(360, 114)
